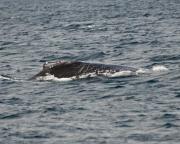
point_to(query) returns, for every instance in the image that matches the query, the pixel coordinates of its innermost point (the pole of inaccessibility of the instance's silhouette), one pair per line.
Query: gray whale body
(67, 69)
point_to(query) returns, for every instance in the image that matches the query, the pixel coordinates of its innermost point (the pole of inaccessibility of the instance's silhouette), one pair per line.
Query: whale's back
(74, 69)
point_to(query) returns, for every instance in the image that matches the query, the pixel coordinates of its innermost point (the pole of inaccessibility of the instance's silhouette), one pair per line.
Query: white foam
(62, 79)
(159, 68)
(52, 78)
(106, 74)
(118, 74)
(5, 78)
(142, 71)
(87, 75)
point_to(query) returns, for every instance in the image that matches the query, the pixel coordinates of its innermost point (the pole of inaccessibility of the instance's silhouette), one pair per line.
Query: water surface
(137, 109)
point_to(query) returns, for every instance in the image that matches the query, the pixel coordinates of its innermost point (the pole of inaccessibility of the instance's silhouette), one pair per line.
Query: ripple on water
(143, 137)
(165, 58)
(15, 114)
(170, 125)
(11, 101)
(177, 95)
(167, 116)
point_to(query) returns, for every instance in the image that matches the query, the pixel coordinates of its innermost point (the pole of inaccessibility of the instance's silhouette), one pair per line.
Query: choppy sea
(143, 109)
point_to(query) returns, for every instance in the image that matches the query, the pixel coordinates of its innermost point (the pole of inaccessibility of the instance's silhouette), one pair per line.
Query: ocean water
(129, 110)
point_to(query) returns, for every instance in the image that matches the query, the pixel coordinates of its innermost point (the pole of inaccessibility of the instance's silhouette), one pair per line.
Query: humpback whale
(68, 69)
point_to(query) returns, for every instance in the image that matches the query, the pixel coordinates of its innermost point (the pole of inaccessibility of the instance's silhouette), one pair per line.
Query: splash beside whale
(75, 69)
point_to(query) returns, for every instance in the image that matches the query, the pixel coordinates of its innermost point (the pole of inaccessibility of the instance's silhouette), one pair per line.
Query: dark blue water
(133, 110)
